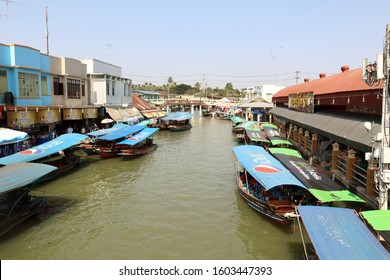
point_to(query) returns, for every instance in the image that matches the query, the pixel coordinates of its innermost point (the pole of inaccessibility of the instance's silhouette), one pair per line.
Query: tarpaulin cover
(339, 234)
(9, 136)
(268, 171)
(18, 175)
(121, 133)
(51, 147)
(135, 139)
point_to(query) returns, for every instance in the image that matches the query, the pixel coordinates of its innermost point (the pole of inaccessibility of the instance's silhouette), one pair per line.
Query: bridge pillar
(192, 109)
(200, 110)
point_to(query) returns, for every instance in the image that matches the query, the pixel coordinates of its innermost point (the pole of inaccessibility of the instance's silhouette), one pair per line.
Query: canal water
(178, 203)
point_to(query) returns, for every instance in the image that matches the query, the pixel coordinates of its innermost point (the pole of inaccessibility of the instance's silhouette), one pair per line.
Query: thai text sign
(303, 102)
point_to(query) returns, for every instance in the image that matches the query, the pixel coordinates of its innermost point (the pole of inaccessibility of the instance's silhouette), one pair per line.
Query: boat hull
(63, 166)
(34, 207)
(180, 128)
(137, 151)
(265, 208)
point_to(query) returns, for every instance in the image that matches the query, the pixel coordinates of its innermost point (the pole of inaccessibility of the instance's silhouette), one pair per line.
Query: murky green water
(179, 202)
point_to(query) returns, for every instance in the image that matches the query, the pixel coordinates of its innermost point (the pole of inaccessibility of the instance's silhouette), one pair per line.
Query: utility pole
(47, 31)
(383, 172)
(296, 76)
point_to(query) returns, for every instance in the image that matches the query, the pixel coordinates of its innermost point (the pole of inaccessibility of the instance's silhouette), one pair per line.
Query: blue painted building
(24, 76)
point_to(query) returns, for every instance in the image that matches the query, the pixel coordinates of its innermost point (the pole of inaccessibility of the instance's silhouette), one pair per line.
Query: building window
(44, 85)
(58, 88)
(83, 88)
(28, 85)
(107, 88)
(74, 88)
(3, 81)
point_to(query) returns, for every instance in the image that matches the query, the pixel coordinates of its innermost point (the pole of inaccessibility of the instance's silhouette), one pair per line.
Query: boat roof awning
(339, 234)
(120, 133)
(319, 183)
(178, 116)
(135, 139)
(255, 135)
(21, 174)
(264, 168)
(9, 136)
(237, 119)
(380, 222)
(105, 131)
(248, 124)
(48, 148)
(343, 129)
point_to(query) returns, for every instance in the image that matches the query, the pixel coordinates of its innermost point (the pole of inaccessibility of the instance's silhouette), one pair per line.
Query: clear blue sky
(245, 42)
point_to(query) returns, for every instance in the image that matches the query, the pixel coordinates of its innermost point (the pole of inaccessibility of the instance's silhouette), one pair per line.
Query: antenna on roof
(47, 31)
(7, 15)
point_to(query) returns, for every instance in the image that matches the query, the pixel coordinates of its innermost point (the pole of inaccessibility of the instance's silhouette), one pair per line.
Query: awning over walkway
(123, 114)
(343, 129)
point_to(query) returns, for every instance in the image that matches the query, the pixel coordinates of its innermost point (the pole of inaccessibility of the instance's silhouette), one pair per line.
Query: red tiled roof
(347, 81)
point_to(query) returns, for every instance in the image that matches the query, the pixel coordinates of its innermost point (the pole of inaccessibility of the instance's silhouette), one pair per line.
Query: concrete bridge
(196, 102)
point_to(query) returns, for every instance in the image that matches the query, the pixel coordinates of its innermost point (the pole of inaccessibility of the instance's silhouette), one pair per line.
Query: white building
(107, 86)
(264, 91)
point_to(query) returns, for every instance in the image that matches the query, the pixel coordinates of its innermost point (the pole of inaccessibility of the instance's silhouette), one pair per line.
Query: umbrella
(107, 121)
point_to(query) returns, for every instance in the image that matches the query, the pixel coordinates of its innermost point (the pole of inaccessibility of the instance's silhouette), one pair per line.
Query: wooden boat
(255, 136)
(266, 185)
(16, 205)
(139, 144)
(180, 126)
(89, 145)
(272, 134)
(107, 145)
(58, 152)
(326, 191)
(175, 122)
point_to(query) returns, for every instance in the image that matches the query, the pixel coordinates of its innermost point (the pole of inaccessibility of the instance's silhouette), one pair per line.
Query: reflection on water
(179, 202)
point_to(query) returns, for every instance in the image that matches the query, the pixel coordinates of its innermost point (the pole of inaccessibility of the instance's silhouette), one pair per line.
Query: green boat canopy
(330, 196)
(380, 222)
(276, 142)
(379, 219)
(236, 119)
(248, 124)
(269, 125)
(285, 151)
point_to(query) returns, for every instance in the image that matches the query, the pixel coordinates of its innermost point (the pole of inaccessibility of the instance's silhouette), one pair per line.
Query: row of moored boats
(31, 167)
(276, 181)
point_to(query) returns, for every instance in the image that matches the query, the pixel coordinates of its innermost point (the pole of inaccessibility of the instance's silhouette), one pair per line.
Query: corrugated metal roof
(347, 81)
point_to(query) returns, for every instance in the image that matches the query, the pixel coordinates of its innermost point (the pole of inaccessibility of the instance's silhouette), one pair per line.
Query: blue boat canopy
(339, 234)
(121, 133)
(9, 136)
(178, 116)
(21, 174)
(105, 131)
(51, 147)
(264, 168)
(135, 139)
